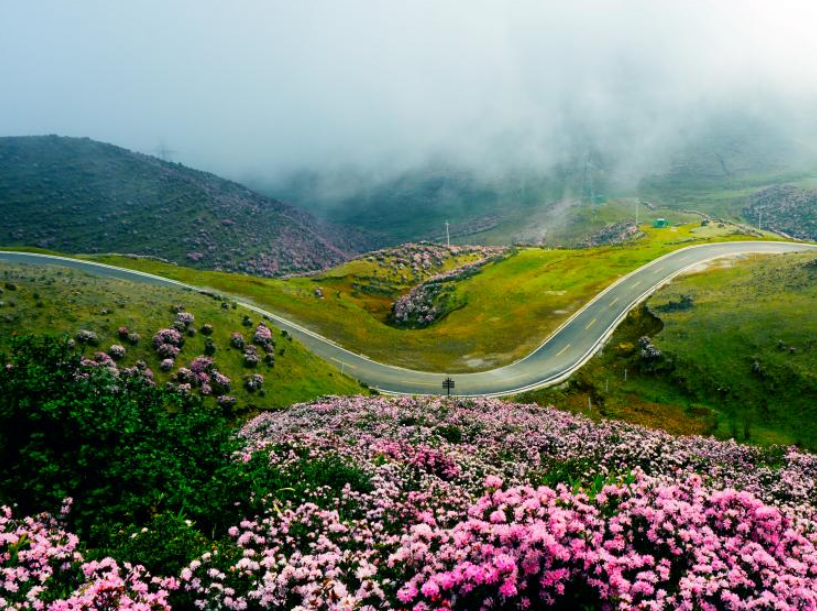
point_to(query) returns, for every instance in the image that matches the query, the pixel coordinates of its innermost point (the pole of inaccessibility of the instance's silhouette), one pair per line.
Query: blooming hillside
(78, 195)
(430, 504)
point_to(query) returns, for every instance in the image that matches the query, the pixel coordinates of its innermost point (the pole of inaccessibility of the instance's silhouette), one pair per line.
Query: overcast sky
(271, 86)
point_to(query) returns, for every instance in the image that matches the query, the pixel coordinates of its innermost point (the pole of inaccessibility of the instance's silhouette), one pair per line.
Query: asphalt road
(556, 359)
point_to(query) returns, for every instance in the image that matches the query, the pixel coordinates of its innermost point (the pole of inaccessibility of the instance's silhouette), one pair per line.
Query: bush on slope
(428, 504)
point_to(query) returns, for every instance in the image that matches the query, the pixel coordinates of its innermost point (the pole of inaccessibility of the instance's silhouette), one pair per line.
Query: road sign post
(448, 384)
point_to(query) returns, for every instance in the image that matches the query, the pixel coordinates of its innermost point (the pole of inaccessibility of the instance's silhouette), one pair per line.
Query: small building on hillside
(660, 223)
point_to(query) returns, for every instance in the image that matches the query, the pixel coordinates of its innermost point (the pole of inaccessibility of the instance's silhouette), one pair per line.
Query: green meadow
(53, 300)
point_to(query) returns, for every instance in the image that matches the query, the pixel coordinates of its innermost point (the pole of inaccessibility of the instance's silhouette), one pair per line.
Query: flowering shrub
(167, 364)
(253, 382)
(116, 352)
(251, 358)
(263, 338)
(185, 319)
(237, 340)
(122, 447)
(168, 343)
(458, 516)
(38, 559)
(431, 299)
(84, 336)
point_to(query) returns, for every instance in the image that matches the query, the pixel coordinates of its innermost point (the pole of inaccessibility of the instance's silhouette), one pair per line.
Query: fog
(262, 88)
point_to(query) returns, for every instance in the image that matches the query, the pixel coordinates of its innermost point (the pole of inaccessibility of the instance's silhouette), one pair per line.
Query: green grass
(751, 311)
(509, 308)
(53, 300)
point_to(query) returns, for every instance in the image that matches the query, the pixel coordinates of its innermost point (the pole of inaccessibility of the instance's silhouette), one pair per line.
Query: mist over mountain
(362, 92)
(79, 195)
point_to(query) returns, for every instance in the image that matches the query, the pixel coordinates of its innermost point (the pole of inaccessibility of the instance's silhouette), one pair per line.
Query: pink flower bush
(425, 303)
(648, 521)
(38, 559)
(263, 338)
(116, 352)
(473, 504)
(168, 343)
(644, 545)
(254, 382)
(185, 319)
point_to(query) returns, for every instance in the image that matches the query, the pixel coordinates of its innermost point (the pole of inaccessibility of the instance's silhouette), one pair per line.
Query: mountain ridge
(82, 195)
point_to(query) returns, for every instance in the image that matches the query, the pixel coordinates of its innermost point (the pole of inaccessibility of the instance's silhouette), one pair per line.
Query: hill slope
(57, 301)
(731, 350)
(79, 195)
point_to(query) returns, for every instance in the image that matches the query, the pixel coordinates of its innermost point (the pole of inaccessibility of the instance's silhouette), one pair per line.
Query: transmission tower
(164, 153)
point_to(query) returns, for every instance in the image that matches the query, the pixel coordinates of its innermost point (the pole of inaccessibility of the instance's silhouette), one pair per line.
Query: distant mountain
(534, 204)
(82, 196)
(786, 209)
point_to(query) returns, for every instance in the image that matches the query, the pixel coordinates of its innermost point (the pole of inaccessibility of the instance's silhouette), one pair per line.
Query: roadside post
(448, 384)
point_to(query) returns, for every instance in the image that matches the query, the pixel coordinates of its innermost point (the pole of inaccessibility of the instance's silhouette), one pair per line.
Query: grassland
(508, 309)
(738, 360)
(53, 300)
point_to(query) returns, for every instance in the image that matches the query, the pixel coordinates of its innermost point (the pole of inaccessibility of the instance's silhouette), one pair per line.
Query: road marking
(562, 350)
(418, 383)
(612, 303)
(659, 270)
(592, 322)
(345, 364)
(637, 283)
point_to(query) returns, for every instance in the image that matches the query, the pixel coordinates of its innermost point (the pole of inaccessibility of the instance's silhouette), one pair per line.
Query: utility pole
(636, 214)
(625, 375)
(760, 220)
(447, 236)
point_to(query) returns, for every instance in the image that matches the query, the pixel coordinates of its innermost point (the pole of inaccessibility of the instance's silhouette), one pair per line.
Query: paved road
(556, 359)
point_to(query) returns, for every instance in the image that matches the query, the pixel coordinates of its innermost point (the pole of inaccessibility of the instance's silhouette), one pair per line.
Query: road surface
(561, 354)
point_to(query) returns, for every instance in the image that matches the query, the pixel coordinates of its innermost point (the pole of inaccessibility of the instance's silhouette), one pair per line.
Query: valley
(366, 306)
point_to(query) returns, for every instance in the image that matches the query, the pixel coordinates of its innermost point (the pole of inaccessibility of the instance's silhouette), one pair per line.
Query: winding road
(561, 354)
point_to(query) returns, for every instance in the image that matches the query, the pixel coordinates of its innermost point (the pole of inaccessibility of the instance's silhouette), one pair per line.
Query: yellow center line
(592, 322)
(562, 350)
(612, 303)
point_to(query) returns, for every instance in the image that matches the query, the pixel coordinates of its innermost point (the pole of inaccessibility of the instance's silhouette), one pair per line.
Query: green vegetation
(505, 311)
(149, 470)
(54, 300)
(79, 195)
(738, 356)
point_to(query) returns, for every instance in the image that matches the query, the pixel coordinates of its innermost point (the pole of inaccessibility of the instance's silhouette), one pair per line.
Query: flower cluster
(254, 382)
(203, 375)
(183, 320)
(84, 336)
(424, 303)
(263, 338)
(482, 504)
(168, 343)
(116, 352)
(424, 259)
(39, 560)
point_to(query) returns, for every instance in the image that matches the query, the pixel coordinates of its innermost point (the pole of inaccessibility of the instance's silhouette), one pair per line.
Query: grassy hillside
(35, 300)
(78, 195)
(738, 356)
(502, 313)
